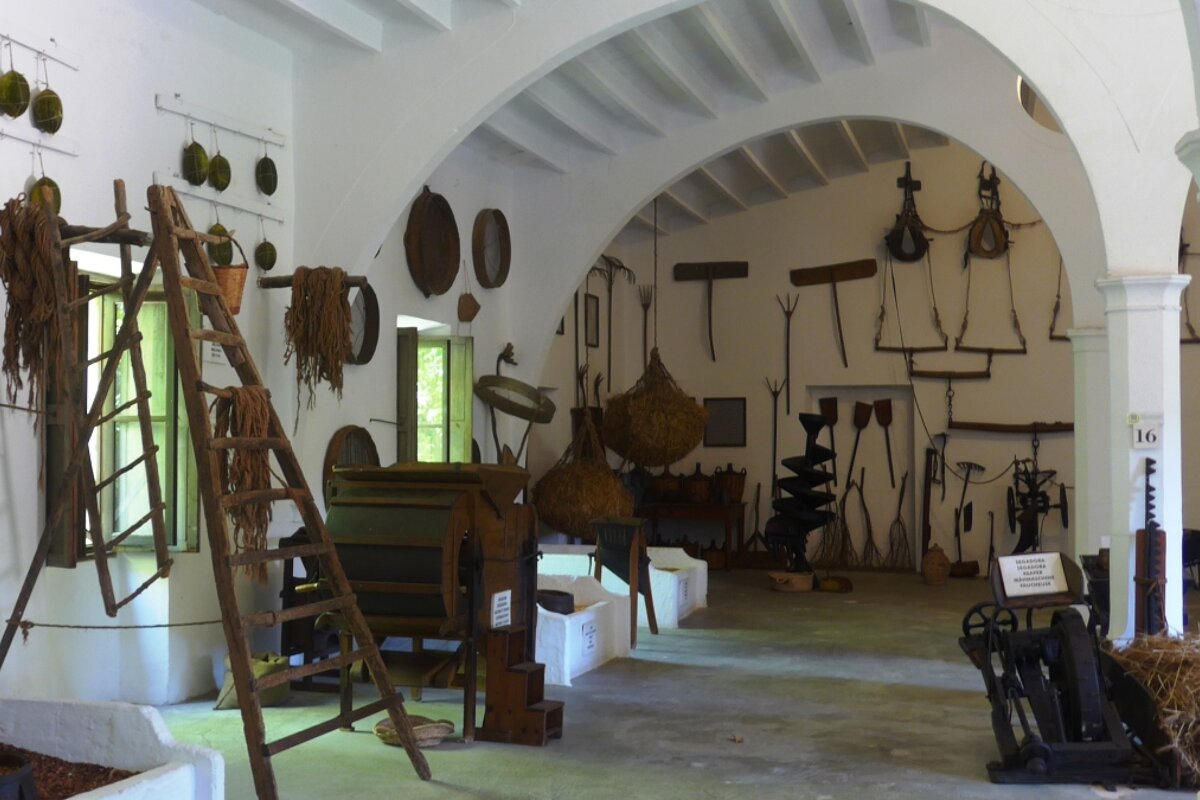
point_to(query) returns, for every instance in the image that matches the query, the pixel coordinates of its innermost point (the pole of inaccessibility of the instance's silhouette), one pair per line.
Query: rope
(1012, 302)
(889, 274)
(28, 625)
(656, 272)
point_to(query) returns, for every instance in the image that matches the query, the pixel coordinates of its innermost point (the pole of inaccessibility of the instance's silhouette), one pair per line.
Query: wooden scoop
(883, 414)
(862, 418)
(829, 410)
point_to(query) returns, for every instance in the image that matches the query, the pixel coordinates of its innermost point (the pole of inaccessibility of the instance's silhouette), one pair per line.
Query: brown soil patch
(56, 779)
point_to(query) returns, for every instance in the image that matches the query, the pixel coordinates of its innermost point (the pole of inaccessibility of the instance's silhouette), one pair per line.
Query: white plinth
(119, 735)
(572, 644)
(678, 582)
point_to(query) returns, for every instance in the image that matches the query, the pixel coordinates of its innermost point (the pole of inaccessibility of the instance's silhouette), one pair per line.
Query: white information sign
(589, 639)
(1145, 431)
(502, 608)
(213, 353)
(683, 592)
(1032, 574)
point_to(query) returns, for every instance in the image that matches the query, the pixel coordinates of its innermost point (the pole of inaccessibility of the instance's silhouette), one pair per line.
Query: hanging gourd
(14, 89)
(220, 253)
(266, 177)
(35, 193)
(219, 172)
(47, 107)
(265, 255)
(195, 164)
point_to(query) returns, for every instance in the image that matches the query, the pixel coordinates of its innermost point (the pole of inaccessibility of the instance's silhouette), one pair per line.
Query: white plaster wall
(844, 221)
(128, 52)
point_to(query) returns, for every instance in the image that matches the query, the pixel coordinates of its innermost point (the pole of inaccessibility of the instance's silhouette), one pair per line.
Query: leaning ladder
(71, 393)
(173, 233)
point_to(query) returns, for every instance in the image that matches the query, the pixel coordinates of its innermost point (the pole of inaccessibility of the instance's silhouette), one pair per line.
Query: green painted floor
(763, 695)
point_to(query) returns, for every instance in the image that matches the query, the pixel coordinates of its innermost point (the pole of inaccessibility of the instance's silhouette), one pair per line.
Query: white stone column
(1090, 523)
(1142, 313)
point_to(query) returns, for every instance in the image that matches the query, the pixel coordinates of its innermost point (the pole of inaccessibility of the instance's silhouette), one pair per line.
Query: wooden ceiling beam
(435, 13)
(798, 37)
(722, 187)
(670, 62)
(572, 113)
(343, 19)
(528, 138)
(856, 151)
(684, 206)
(758, 166)
(810, 161)
(720, 31)
(592, 70)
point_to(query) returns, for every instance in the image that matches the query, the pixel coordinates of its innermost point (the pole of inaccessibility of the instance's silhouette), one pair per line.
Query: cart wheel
(1012, 511)
(1062, 504)
(1078, 677)
(987, 614)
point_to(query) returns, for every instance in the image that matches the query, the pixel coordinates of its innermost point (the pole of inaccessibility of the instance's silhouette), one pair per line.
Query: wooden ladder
(70, 398)
(173, 233)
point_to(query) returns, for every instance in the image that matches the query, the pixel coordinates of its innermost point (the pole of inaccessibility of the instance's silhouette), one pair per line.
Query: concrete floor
(763, 695)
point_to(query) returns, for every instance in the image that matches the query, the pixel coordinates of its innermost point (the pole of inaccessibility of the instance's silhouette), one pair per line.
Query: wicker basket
(730, 485)
(935, 566)
(697, 487)
(232, 280)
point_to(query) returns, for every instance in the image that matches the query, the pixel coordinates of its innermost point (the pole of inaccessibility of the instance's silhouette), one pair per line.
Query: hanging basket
(655, 423)
(580, 488)
(232, 280)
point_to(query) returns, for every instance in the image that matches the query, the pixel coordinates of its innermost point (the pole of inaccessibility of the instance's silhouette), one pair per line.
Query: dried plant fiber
(655, 423)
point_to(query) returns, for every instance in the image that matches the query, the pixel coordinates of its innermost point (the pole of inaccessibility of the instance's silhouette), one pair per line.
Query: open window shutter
(406, 394)
(462, 384)
(67, 544)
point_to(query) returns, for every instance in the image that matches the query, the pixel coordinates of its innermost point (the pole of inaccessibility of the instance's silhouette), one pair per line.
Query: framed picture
(562, 326)
(591, 320)
(726, 425)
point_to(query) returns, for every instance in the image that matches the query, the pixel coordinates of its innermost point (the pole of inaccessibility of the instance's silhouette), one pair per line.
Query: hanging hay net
(30, 331)
(655, 423)
(581, 487)
(1169, 668)
(317, 328)
(246, 411)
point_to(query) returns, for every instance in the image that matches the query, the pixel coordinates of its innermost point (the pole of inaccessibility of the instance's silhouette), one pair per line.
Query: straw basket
(935, 566)
(232, 280)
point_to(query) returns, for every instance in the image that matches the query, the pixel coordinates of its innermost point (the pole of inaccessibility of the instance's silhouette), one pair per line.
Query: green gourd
(195, 164)
(265, 255)
(219, 172)
(47, 111)
(35, 193)
(266, 176)
(221, 255)
(14, 93)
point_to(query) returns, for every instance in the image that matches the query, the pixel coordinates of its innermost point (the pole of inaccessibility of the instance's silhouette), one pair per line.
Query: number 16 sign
(1146, 431)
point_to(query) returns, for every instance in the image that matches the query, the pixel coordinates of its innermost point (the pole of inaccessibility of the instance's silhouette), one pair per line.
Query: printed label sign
(502, 608)
(590, 638)
(683, 592)
(1032, 574)
(1145, 431)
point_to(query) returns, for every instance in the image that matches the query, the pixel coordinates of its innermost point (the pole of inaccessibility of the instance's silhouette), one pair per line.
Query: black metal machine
(1063, 711)
(1029, 500)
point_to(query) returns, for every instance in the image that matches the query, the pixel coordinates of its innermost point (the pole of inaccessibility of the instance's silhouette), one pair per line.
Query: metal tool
(709, 271)
(833, 274)
(862, 418)
(829, 410)
(789, 307)
(1151, 568)
(883, 414)
(963, 522)
(991, 540)
(775, 389)
(646, 297)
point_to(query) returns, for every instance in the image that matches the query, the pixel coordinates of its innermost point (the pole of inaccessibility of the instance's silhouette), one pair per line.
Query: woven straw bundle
(580, 487)
(1169, 668)
(655, 423)
(30, 330)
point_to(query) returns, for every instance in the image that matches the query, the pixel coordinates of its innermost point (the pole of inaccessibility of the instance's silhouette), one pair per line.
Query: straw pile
(30, 328)
(246, 411)
(655, 423)
(317, 328)
(580, 487)
(1169, 668)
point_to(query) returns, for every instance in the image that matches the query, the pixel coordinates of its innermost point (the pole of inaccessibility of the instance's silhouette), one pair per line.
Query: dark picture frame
(591, 320)
(726, 426)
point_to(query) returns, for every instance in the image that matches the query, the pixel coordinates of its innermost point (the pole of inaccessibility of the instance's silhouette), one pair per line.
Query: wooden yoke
(833, 274)
(710, 271)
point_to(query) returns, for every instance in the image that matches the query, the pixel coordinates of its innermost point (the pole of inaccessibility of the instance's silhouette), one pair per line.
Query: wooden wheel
(350, 445)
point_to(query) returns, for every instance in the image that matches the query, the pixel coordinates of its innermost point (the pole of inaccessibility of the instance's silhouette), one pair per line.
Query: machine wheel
(1012, 510)
(1079, 678)
(1062, 504)
(986, 614)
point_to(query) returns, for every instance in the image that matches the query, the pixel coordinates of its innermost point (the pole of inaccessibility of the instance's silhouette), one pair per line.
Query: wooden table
(733, 515)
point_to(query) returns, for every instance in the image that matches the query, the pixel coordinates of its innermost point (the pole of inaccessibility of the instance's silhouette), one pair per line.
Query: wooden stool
(621, 546)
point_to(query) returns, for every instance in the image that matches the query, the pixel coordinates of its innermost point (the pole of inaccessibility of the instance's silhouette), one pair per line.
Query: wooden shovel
(829, 410)
(833, 274)
(862, 418)
(883, 414)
